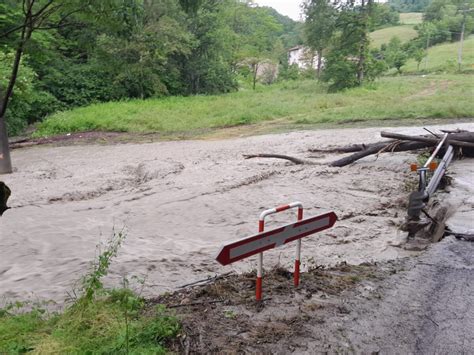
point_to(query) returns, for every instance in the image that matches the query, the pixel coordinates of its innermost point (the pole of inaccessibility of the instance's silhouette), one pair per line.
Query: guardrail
(418, 199)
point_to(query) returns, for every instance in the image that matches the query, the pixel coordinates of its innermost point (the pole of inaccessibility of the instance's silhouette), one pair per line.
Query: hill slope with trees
(115, 50)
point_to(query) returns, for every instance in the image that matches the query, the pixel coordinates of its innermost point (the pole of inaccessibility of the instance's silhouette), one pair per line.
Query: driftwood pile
(463, 141)
(426, 230)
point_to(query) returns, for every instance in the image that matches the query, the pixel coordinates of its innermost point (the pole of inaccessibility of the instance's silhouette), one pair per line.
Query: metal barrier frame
(261, 228)
(426, 189)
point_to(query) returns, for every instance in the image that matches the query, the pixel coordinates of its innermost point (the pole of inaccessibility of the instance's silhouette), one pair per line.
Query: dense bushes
(29, 102)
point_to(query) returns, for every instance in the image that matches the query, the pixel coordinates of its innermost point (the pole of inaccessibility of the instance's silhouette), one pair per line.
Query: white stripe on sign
(278, 239)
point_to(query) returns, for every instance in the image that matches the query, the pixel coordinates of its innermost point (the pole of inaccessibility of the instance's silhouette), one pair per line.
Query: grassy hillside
(443, 58)
(404, 32)
(411, 18)
(292, 102)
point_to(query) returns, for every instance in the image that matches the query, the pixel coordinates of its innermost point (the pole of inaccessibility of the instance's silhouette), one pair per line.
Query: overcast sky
(289, 8)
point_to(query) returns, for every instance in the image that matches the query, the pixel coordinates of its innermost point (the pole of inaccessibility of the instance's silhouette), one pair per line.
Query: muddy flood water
(180, 201)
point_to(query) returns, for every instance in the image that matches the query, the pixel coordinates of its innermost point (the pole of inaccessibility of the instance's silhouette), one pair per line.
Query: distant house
(303, 57)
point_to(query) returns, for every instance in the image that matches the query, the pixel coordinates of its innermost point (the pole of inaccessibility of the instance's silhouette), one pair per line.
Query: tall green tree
(33, 16)
(395, 55)
(450, 17)
(29, 17)
(208, 67)
(320, 25)
(349, 62)
(257, 38)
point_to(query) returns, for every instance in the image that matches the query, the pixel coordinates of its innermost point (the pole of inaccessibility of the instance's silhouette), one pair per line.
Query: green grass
(96, 327)
(443, 58)
(290, 102)
(411, 18)
(404, 32)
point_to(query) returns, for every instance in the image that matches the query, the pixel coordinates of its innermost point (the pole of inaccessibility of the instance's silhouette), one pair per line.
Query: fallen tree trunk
(399, 143)
(464, 139)
(378, 147)
(347, 149)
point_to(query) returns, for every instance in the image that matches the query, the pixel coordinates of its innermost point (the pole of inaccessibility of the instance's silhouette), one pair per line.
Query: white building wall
(302, 58)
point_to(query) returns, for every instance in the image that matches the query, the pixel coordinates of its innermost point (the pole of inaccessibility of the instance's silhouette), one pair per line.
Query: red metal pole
(258, 289)
(296, 275)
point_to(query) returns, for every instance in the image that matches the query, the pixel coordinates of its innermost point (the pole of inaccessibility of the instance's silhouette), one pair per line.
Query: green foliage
(290, 101)
(257, 40)
(349, 62)
(430, 34)
(383, 15)
(341, 71)
(207, 70)
(28, 103)
(418, 55)
(20, 332)
(320, 23)
(92, 281)
(289, 72)
(395, 55)
(409, 5)
(290, 32)
(443, 21)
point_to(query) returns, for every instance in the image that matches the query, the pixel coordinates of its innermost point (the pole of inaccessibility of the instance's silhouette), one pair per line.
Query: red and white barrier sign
(258, 243)
(261, 242)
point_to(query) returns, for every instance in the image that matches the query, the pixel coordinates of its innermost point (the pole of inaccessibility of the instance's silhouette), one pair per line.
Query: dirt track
(181, 200)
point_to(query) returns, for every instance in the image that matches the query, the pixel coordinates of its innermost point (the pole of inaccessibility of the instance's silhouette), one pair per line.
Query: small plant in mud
(100, 320)
(92, 282)
(422, 158)
(230, 314)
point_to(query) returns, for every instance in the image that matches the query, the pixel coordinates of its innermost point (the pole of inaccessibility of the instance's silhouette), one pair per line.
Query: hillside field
(443, 58)
(298, 102)
(411, 18)
(404, 32)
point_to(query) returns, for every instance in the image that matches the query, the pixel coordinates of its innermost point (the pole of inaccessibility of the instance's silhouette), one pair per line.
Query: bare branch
(60, 23)
(280, 156)
(14, 29)
(41, 10)
(39, 21)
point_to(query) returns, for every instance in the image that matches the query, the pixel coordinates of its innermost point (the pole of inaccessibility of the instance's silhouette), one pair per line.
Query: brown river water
(180, 201)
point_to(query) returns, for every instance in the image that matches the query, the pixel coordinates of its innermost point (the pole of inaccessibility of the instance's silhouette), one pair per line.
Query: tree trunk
(5, 160)
(255, 73)
(366, 9)
(374, 149)
(462, 139)
(320, 59)
(360, 66)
